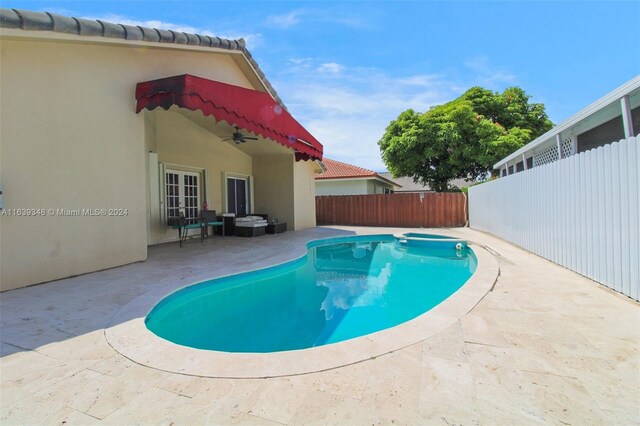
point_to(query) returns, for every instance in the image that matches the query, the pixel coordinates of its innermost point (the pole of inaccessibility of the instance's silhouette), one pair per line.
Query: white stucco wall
(377, 187)
(341, 187)
(350, 187)
(70, 139)
(304, 192)
(273, 182)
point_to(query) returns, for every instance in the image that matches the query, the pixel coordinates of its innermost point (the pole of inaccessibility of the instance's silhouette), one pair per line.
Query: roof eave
(45, 25)
(364, 177)
(345, 177)
(390, 182)
(606, 100)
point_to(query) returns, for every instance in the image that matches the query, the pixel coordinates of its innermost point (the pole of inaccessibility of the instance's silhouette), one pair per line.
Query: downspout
(466, 214)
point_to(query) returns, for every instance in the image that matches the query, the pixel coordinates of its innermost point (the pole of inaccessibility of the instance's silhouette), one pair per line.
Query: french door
(238, 195)
(182, 193)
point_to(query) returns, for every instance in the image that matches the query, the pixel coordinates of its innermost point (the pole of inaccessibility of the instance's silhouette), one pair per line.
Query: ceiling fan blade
(250, 138)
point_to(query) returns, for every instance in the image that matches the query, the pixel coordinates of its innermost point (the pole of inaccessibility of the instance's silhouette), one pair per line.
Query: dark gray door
(237, 192)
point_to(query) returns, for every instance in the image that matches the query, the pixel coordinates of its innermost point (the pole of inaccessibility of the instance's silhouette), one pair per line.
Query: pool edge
(128, 335)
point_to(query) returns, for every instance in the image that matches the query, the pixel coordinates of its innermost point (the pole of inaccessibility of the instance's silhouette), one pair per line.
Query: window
(182, 193)
(388, 191)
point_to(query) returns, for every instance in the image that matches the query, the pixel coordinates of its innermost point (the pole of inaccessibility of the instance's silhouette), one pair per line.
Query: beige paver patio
(545, 346)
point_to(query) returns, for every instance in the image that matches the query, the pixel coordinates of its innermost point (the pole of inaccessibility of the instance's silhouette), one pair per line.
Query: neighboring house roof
(592, 116)
(339, 170)
(45, 21)
(408, 185)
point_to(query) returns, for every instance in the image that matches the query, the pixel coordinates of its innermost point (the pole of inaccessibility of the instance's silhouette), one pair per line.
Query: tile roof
(340, 170)
(45, 21)
(408, 185)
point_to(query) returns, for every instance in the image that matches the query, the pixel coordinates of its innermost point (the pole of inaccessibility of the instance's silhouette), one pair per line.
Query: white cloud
(349, 109)
(487, 75)
(349, 114)
(299, 63)
(330, 67)
(331, 15)
(253, 40)
(425, 80)
(287, 20)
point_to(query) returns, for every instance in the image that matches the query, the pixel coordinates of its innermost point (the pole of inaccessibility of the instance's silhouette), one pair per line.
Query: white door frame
(183, 171)
(249, 192)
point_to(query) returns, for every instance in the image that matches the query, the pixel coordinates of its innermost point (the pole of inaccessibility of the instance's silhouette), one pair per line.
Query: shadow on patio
(43, 314)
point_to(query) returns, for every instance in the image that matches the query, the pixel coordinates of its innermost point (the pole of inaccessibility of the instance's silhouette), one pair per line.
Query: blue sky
(346, 69)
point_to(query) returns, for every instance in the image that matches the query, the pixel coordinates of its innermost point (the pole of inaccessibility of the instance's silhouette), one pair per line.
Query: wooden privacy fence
(413, 210)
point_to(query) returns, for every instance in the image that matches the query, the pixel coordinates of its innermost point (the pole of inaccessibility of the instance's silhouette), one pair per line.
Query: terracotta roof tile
(338, 170)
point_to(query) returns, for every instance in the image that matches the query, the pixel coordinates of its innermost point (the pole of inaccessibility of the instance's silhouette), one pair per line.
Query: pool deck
(544, 346)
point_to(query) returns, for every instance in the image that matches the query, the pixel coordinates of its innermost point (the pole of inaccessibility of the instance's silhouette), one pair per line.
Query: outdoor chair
(209, 218)
(183, 225)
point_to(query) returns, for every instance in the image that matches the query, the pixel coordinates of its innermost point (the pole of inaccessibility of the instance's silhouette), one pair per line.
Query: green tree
(462, 138)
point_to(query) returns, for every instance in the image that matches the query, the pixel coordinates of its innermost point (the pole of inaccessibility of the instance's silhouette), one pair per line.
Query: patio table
(183, 230)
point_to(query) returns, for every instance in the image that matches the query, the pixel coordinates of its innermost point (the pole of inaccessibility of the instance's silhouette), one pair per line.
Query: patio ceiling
(221, 132)
(250, 110)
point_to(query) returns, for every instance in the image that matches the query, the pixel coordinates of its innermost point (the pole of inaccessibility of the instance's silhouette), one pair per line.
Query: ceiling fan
(238, 137)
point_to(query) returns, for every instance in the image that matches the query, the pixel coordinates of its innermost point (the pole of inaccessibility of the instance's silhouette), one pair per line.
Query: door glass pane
(231, 195)
(173, 194)
(241, 196)
(191, 201)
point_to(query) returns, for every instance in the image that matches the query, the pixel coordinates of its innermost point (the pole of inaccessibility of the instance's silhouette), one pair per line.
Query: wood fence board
(401, 210)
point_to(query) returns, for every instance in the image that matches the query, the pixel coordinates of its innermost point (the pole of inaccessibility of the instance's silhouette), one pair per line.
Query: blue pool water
(343, 288)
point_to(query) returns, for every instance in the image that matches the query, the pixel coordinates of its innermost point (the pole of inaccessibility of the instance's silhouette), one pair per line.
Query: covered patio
(229, 148)
(545, 345)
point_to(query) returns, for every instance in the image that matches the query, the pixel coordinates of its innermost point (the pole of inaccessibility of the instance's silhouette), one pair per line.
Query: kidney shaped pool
(343, 288)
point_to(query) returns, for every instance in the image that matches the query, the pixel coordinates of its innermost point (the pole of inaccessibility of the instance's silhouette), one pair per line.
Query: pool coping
(129, 336)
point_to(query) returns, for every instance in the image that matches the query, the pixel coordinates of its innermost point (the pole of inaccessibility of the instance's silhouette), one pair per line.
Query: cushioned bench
(250, 226)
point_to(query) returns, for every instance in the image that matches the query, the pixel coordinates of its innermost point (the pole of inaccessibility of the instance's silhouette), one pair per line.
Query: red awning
(249, 109)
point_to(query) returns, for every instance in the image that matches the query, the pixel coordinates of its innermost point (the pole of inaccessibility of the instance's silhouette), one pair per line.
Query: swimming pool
(343, 288)
(433, 241)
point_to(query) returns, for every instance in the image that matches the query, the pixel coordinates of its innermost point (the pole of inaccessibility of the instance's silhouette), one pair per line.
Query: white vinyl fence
(580, 212)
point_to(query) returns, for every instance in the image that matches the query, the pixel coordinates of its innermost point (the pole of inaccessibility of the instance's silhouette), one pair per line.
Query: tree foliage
(461, 139)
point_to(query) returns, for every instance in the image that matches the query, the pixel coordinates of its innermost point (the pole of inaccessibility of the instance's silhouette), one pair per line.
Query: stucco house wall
(341, 187)
(273, 177)
(304, 194)
(350, 187)
(71, 139)
(377, 187)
